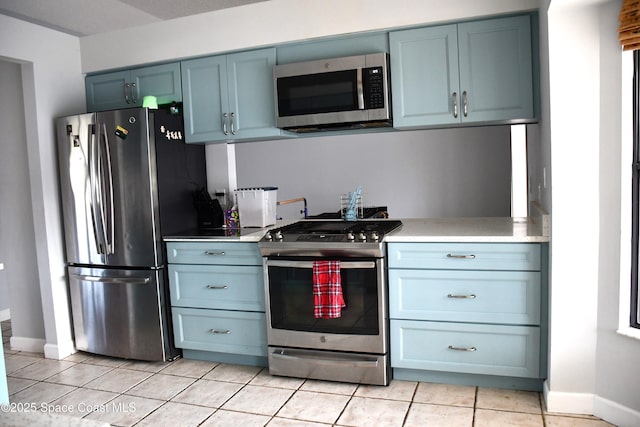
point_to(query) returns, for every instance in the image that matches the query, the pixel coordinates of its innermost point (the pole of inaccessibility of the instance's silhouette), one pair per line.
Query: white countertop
(491, 229)
(499, 229)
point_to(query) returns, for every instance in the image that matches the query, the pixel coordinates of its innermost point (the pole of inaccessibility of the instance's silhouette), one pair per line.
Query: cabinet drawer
(511, 297)
(217, 286)
(229, 253)
(466, 348)
(220, 331)
(465, 256)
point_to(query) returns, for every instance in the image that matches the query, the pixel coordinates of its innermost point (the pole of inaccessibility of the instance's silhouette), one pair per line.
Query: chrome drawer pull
(214, 253)
(470, 296)
(461, 256)
(223, 287)
(215, 331)
(453, 347)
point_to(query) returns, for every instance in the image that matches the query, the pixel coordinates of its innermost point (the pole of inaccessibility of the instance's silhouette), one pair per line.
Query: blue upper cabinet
(125, 89)
(472, 72)
(230, 97)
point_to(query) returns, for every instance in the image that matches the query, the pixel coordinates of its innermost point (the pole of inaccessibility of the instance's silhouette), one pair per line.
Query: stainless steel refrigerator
(126, 178)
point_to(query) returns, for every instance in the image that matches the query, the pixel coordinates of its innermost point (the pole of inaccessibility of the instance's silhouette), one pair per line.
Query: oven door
(362, 326)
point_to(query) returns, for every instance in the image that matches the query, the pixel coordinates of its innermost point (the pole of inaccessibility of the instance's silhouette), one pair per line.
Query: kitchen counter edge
(425, 230)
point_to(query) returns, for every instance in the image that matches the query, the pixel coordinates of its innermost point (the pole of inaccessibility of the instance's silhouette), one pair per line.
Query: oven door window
(292, 303)
(318, 93)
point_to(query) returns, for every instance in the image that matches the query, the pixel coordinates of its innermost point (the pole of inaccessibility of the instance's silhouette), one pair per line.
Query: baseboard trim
(615, 413)
(59, 351)
(590, 404)
(32, 345)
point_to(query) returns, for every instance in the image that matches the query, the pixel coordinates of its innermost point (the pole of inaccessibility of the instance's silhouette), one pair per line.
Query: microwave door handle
(360, 89)
(309, 264)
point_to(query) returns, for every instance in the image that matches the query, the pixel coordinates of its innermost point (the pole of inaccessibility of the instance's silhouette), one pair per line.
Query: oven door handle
(352, 360)
(309, 264)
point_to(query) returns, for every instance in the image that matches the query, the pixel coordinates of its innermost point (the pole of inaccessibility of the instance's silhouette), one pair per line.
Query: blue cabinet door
(204, 85)
(161, 81)
(474, 72)
(424, 76)
(230, 97)
(108, 91)
(496, 69)
(125, 89)
(251, 96)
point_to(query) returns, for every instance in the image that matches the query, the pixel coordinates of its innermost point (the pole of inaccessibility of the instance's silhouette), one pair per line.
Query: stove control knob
(375, 236)
(362, 236)
(350, 236)
(279, 235)
(268, 236)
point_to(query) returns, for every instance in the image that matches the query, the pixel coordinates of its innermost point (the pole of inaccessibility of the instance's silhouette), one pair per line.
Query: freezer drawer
(121, 313)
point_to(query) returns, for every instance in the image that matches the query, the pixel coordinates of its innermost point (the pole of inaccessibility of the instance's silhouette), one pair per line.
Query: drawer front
(465, 256)
(228, 253)
(217, 286)
(221, 331)
(466, 348)
(508, 297)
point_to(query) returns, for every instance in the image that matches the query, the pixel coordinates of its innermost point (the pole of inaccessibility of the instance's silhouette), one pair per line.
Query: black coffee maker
(210, 214)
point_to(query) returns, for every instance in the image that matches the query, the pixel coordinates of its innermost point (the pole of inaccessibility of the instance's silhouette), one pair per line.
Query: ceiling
(86, 17)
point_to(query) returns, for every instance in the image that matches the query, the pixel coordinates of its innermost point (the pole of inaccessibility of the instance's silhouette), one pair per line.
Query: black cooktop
(339, 227)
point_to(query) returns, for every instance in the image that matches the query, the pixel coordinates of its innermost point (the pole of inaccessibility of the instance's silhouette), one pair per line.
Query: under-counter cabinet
(468, 313)
(229, 97)
(472, 72)
(125, 89)
(217, 301)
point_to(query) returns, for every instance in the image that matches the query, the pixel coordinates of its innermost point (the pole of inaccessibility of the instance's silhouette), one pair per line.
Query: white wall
(52, 86)
(17, 239)
(227, 30)
(592, 368)
(462, 172)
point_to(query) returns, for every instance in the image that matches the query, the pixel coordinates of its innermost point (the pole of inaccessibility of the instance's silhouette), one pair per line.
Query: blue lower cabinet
(466, 348)
(468, 313)
(221, 331)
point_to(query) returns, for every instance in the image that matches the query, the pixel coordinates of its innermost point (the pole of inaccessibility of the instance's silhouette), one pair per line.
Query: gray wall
(19, 283)
(429, 173)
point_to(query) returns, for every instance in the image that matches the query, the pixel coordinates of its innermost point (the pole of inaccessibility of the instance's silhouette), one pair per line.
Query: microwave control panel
(373, 86)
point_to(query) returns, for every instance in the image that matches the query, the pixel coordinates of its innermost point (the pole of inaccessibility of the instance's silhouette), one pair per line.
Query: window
(635, 188)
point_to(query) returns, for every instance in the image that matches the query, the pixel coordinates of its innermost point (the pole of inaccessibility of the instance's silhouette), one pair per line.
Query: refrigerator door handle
(93, 156)
(110, 239)
(120, 280)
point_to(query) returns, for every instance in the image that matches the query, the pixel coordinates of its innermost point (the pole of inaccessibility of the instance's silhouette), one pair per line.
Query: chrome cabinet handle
(214, 253)
(465, 104)
(133, 94)
(471, 256)
(455, 105)
(470, 296)
(126, 93)
(233, 124)
(215, 331)
(455, 348)
(224, 124)
(217, 287)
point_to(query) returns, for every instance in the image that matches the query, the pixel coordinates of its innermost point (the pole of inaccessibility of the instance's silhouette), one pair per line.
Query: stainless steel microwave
(333, 93)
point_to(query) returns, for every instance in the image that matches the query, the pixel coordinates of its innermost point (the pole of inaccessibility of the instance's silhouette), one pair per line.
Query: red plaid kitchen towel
(327, 290)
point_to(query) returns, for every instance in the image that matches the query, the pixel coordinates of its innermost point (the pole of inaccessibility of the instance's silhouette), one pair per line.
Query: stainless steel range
(349, 344)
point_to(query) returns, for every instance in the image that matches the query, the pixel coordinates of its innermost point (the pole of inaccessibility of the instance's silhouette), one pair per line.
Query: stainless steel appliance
(333, 93)
(353, 347)
(126, 177)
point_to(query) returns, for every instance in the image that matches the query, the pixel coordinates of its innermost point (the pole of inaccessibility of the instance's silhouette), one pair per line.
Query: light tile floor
(197, 393)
